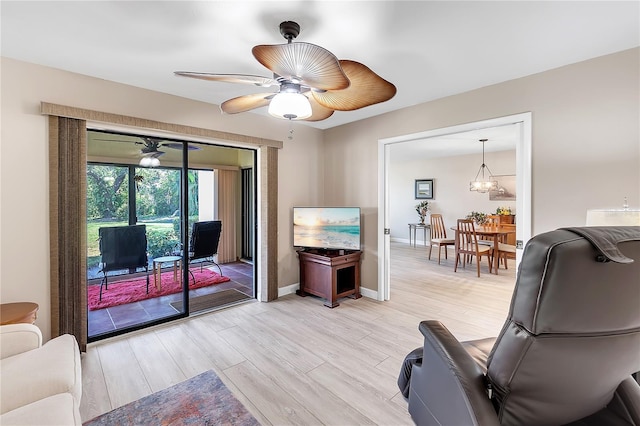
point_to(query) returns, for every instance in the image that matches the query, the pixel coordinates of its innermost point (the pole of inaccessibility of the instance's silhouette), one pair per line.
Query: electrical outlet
(519, 244)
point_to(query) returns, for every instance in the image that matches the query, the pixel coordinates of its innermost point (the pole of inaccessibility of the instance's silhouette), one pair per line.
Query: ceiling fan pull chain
(290, 137)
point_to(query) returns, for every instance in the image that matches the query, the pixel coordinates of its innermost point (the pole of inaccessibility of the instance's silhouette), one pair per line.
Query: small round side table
(413, 227)
(18, 312)
(157, 268)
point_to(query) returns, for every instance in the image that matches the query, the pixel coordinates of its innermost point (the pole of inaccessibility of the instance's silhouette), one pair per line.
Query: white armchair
(41, 384)
(16, 338)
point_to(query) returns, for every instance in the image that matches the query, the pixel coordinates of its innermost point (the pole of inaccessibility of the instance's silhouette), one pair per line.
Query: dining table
(492, 233)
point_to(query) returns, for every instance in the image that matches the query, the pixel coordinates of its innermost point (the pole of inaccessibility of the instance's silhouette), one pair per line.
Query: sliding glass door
(163, 218)
(134, 246)
(217, 275)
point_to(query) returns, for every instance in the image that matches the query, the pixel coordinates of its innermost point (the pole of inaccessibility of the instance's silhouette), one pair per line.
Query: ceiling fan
(312, 82)
(150, 151)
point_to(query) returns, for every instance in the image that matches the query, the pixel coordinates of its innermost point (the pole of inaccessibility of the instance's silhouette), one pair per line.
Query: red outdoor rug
(130, 291)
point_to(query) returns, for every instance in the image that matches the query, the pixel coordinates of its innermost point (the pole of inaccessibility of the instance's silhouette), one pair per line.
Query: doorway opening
(523, 184)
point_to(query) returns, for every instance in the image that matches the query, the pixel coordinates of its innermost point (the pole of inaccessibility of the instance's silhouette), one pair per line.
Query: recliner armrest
(623, 409)
(628, 395)
(448, 388)
(18, 338)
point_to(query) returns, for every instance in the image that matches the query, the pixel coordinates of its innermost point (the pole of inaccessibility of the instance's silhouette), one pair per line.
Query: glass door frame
(132, 220)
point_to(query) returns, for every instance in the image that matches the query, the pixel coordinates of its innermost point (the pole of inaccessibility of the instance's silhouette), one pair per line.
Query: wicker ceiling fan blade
(318, 112)
(231, 78)
(246, 103)
(303, 63)
(367, 88)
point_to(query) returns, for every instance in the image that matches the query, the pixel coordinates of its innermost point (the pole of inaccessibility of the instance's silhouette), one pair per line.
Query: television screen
(327, 227)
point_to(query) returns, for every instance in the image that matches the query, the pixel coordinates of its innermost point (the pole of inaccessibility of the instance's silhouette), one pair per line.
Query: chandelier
(481, 183)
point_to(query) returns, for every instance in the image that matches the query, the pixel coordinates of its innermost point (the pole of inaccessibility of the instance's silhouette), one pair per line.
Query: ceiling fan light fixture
(149, 161)
(482, 183)
(290, 106)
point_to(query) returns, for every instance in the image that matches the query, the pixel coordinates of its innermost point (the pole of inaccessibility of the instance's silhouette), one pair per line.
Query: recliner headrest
(607, 238)
(563, 286)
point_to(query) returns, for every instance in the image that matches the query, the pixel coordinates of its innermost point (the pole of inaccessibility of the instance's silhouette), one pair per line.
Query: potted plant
(505, 215)
(422, 208)
(478, 217)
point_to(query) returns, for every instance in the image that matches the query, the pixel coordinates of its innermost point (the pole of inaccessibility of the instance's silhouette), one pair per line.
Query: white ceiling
(428, 49)
(503, 138)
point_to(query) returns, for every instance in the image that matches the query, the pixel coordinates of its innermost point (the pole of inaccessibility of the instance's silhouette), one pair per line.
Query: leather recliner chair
(565, 354)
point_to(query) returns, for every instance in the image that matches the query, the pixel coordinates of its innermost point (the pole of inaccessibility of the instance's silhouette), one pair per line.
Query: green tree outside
(157, 205)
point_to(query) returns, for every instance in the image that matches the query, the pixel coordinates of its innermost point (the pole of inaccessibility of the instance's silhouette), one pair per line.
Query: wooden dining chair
(490, 221)
(505, 251)
(438, 236)
(467, 245)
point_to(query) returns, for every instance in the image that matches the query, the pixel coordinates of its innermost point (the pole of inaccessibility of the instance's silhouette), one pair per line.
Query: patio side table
(157, 273)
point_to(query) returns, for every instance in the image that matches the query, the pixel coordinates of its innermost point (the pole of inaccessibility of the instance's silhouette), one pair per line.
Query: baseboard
(283, 291)
(406, 241)
(371, 294)
(365, 292)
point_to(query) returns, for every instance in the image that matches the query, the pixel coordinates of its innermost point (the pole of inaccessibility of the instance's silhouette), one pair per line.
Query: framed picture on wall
(424, 189)
(506, 188)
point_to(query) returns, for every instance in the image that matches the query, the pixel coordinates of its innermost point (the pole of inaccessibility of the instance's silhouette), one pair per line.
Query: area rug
(130, 291)
(212, 300)
(201, 400)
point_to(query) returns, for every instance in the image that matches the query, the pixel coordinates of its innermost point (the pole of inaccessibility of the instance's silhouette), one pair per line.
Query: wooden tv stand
(330, 274)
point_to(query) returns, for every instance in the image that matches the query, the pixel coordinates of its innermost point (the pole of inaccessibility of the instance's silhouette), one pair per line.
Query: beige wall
(452, 198)
(585, 143)
(24, 228)
(586, 153)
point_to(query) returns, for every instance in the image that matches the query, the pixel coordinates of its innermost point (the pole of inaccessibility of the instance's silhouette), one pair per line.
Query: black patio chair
(203, 244)
(122, 247)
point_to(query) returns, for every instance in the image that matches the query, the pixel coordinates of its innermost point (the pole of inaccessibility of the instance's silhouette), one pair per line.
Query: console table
(413, 227)
(19, 312)
(330, 274)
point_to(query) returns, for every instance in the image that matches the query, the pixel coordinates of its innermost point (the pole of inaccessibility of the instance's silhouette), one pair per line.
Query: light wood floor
(295, 361)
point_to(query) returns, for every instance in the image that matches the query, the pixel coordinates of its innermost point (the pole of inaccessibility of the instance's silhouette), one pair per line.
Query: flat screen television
(331, 228)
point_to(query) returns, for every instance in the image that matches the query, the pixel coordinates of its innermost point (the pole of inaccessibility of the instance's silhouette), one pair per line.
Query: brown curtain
(227, 213)
(68, 238)
(269, 222)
